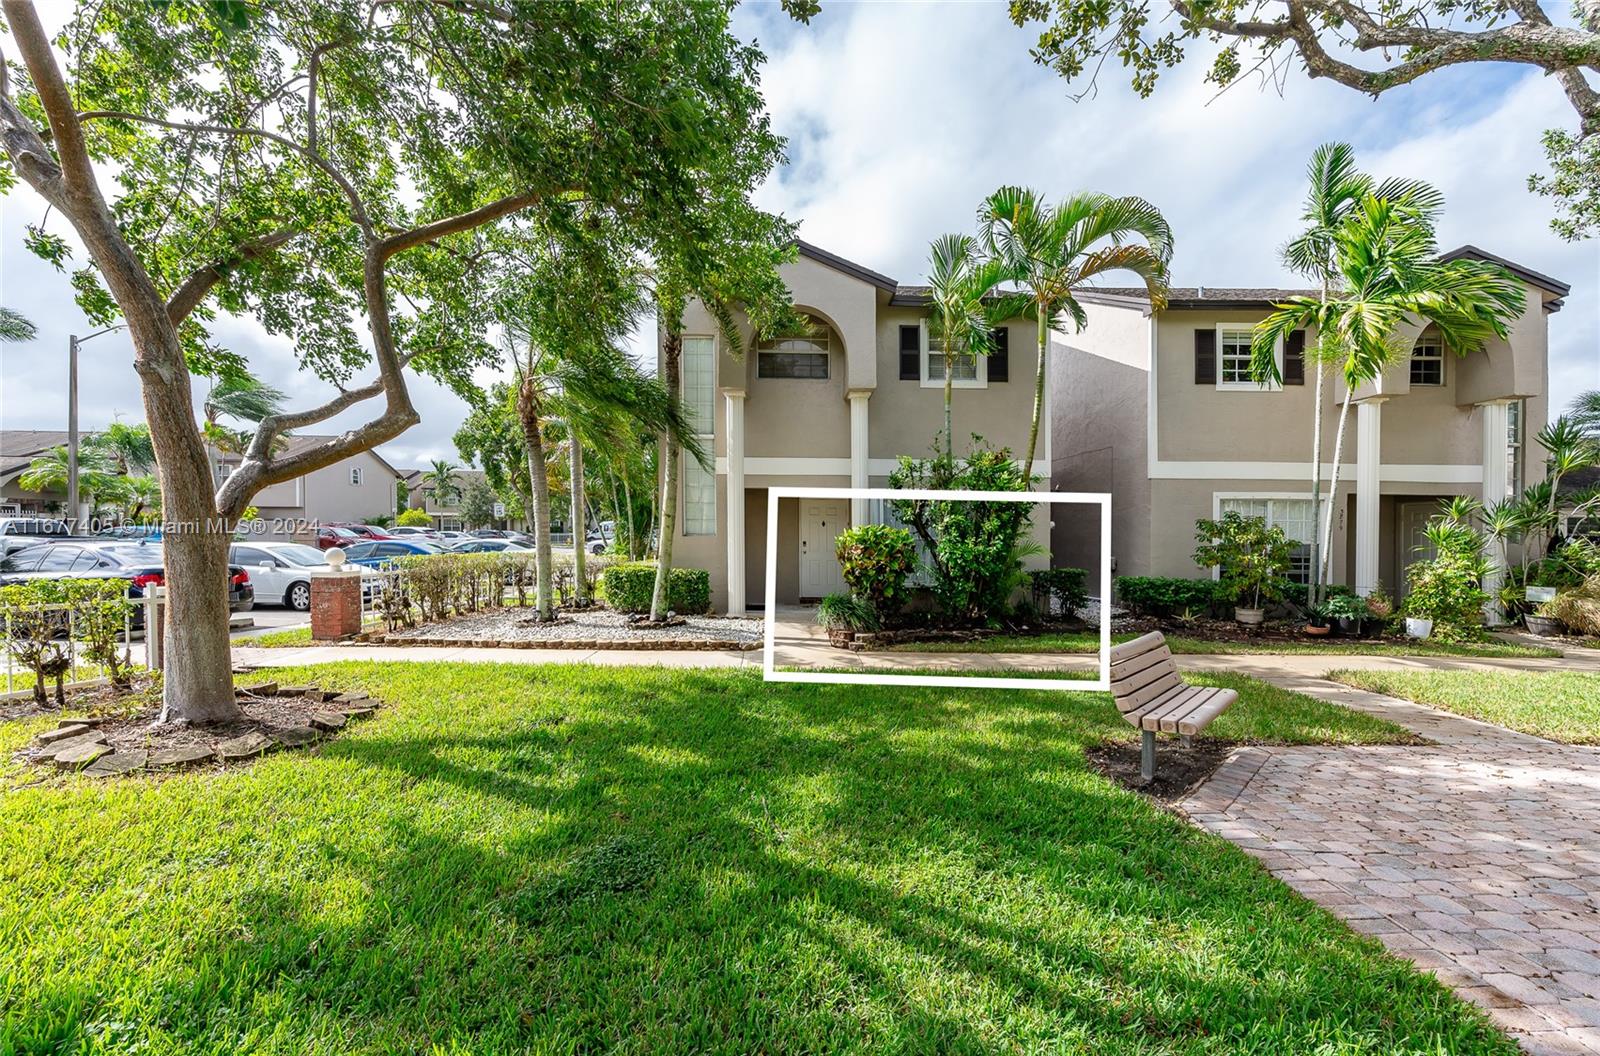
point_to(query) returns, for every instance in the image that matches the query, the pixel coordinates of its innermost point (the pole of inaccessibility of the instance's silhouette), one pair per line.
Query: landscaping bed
(569, 858)
(596, 628)
(111, 733)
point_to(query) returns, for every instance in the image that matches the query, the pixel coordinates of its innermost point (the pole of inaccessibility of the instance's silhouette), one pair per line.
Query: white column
(1496, 447)
(735, 497)
(1369, 442)
(858, 451)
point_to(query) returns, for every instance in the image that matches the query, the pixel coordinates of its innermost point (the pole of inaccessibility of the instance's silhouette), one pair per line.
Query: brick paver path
(1477, 857)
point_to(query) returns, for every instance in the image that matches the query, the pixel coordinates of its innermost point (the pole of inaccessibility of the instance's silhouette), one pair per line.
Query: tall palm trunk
(1316, 593)
(1038, 391)
(949, 393)
(528, 408)
(1333, 480)
(673, 353)
(580, 535)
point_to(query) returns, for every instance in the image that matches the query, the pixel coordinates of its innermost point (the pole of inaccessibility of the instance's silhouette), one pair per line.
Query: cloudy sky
(901, 117)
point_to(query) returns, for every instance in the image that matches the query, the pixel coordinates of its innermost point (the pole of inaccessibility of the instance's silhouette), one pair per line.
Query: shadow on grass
(519, 859)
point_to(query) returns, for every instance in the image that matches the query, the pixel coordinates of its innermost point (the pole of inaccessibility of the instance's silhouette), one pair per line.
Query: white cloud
(901, 117)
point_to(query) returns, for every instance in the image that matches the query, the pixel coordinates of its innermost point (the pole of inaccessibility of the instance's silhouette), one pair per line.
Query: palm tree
(441, 479)
(1334, 190)
(1051, 252)
(960, 327)
(1388, 273)
(97, 472)
(14, 326)
(130, 446)
(242, 397)
(1585, 413)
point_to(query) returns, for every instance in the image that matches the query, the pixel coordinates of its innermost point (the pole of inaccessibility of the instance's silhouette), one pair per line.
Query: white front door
(821, 521)
(1409, 538)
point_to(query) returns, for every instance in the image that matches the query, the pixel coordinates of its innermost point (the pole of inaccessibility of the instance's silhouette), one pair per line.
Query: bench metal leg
(1147, 755)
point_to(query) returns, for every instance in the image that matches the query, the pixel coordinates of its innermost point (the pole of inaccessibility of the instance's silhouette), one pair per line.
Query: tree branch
(450, 225)
(200, 283)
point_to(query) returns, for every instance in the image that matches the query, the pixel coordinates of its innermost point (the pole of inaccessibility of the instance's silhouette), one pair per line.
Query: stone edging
(620, 645)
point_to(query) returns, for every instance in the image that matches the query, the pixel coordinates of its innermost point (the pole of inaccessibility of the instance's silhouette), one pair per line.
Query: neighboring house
(356, 489)
(1158, 409)
(833, 408)
(421, 495)
(18, 448)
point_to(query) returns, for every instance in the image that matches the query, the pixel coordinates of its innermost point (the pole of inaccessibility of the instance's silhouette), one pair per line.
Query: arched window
(803, 355)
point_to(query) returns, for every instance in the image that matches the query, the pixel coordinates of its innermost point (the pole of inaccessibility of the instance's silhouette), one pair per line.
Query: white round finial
(334, 556)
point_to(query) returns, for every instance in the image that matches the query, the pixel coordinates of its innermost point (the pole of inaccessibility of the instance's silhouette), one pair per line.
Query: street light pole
(72, 432)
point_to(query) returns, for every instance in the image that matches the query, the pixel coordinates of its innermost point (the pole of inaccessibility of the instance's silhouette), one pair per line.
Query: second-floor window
(965, 368)
(1233, 356)
(224, 469)
(1427, 360)
(699, 400)
(801, 356)
(355, 476)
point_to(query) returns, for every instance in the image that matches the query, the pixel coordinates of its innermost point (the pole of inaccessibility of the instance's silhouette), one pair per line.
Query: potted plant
(1347, 611)
(1446, 593)
(1251, 559)
(842, 615)
(1542, 621)
(1318, 621)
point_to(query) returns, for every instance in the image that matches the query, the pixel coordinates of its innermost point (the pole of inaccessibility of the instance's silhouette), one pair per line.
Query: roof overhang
(847, 267)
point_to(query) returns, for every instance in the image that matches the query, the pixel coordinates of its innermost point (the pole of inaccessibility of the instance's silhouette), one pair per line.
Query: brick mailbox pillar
(335, 600)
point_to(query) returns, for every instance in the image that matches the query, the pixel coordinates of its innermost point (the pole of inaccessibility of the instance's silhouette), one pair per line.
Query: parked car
(330, 535)
(382, 552)
(280, 572)
(450, 535)
(130, 531)
(413, 531)
(141, 564)
(482, 546)
(18, 532)
(365, 531)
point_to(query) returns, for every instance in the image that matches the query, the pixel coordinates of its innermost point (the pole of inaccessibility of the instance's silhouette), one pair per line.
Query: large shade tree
(1371, 47)
(1050, 252)
(1387, 274)
(333, 169)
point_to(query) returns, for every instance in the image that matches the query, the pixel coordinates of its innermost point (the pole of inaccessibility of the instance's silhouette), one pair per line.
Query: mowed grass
(1089, 642)
(1559, 705)
(542, 859)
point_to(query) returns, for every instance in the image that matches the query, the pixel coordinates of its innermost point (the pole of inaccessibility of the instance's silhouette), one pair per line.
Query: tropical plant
(1388, 274)
(875, 560)
(1578, 608)
(1585, 413)
(844, 612)
(15, 327)
(1050, 252)
(1251, 559)
(1335, 191)
(346, 175)
(129, 446)
(975, 549)
(440, 480)
(961, 319)
(98, 478)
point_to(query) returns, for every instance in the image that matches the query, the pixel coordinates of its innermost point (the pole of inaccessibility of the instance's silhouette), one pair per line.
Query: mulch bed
(120, 734)
(1178, 769)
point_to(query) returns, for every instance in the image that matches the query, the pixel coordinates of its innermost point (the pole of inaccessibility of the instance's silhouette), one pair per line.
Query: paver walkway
(1477, 857)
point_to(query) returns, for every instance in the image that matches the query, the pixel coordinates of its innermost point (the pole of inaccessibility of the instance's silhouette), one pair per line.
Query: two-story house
(834, 407)
(354, 489)
(1158, 409)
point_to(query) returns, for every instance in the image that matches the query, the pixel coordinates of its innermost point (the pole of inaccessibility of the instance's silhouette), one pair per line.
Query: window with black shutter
(1000, 355)
(1294, 358)
(910, 353)
(1205, 356)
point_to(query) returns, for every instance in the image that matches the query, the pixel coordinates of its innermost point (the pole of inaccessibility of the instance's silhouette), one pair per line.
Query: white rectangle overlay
(888, 678)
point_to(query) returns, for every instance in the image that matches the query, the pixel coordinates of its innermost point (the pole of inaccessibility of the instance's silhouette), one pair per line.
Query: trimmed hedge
(629, 586)
(1069, 586)
(1166, 595)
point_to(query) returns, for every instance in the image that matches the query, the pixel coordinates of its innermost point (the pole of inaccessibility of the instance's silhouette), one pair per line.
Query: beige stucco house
(354, 489)
(1157, 408)
(835, 408)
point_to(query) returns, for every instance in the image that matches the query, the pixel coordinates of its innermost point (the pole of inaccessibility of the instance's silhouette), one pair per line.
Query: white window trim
(357, 478)
(1246, 386)
(980, 382)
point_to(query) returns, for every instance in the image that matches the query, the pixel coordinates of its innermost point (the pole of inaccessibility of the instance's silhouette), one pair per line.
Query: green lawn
(561, 859)
(1089, 641)
(1560, 705)
(286, 639)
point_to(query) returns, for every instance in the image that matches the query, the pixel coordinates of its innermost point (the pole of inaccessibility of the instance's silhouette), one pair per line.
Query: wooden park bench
(1149, 694)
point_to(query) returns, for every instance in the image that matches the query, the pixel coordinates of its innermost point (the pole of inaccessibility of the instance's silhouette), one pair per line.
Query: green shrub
(1447, 591)
(1252, 559)
(845, 613)
(1168, 595)
(1068, 586)
(413, 519)
(629, 586)
(876, 559)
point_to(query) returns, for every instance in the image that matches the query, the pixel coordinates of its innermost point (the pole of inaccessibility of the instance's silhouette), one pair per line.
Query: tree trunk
(949, 393)
(1315, 592)
(1038, 392)
(673, 349)
(1333, 482)
(533, 440)
(580, 534)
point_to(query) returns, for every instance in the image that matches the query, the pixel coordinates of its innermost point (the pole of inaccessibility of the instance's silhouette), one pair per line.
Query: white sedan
(280, 572)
